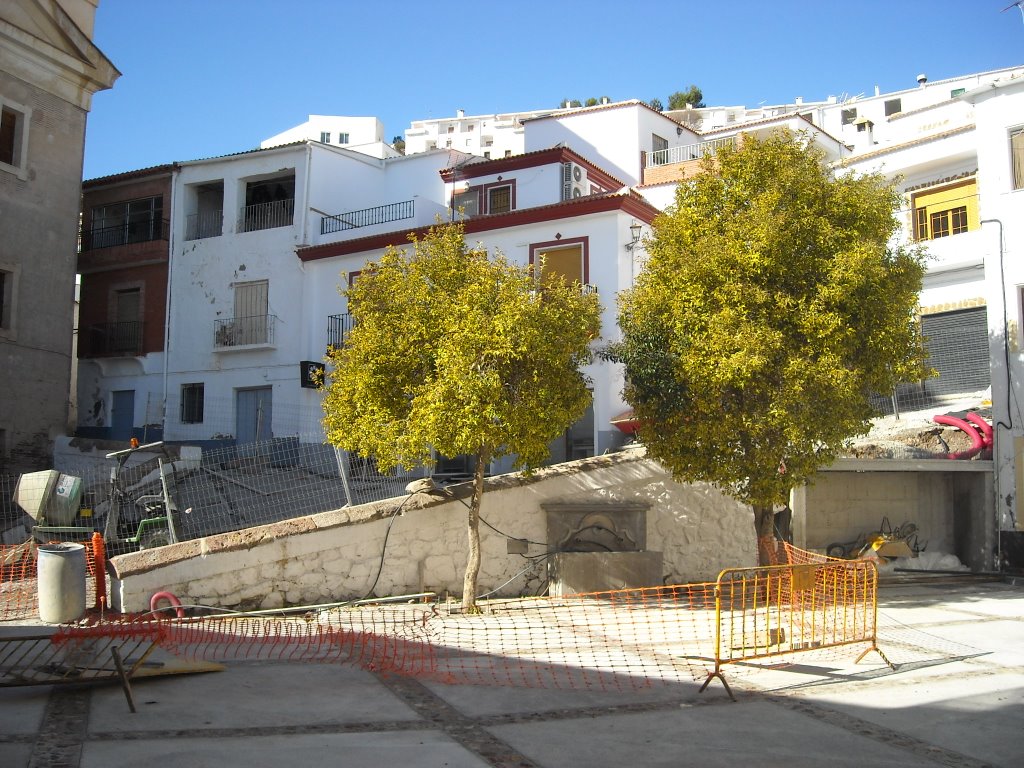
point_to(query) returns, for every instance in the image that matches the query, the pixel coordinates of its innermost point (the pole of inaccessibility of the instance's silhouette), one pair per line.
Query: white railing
(205, 224)
(278, 213)
(688, 152)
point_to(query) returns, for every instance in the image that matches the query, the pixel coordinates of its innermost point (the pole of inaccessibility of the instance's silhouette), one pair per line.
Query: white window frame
(20, 165)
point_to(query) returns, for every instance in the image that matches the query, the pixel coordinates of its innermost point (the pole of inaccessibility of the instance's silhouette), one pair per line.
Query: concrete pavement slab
(249, 695)
(364, 750)
(948, 708)
(722, 735)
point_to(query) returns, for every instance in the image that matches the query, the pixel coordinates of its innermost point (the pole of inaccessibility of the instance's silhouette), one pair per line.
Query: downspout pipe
(996, 423)
(175, 170)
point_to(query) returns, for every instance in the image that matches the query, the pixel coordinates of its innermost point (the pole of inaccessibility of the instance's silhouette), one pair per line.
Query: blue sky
(202, 78)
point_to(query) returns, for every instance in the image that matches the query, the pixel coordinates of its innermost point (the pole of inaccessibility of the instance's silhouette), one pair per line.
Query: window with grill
(499, 200)
(192, 397)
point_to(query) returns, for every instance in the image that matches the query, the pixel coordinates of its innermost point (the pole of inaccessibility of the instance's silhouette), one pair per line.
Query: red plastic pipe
(976, 442)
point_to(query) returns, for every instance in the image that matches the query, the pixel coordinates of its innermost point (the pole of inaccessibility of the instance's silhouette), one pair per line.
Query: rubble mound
(924, 442)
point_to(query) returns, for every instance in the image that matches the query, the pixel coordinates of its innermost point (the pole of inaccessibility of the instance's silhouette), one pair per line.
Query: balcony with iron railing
(93, 238)
(677, 163)
(278, 213)
(199, 226)
(250, 332)
(122, 339)
(366, 217)
(338, 329)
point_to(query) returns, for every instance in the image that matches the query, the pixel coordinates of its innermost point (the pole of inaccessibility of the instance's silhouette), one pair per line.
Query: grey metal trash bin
(61, 584)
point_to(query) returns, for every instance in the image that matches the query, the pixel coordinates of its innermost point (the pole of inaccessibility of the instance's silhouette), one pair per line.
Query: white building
(360, 134)
(551, 203)
(489, 136)
(960, 165)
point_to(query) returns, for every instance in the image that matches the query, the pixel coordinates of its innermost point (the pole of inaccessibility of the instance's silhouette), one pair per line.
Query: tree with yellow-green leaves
(455, 351)
(773, 304)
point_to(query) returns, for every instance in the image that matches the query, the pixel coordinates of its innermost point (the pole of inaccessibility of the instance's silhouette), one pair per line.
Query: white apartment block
(488, 136)
(359, 134)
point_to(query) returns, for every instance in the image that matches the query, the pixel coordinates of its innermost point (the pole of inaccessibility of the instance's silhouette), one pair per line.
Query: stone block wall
(419, 544)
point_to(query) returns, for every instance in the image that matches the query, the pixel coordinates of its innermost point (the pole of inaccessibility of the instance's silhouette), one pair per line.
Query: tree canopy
(455, 351)
(771, 307)
(692, 96)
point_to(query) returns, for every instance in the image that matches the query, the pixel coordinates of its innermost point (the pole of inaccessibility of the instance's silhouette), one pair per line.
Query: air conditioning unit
(574, 181)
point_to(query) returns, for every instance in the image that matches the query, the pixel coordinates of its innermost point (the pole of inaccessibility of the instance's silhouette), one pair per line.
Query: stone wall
(355, 552)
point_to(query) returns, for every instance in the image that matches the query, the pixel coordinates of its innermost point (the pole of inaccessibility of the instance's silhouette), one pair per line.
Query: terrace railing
(112, 340)
(199, 226)
(688, 152)
(244, 331)
(366, 217)
(122, 234)
(338, 327)
(279, 213)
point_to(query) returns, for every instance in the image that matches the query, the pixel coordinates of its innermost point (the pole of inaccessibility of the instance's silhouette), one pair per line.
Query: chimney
(799, 101)
(922, 79)
(460, 113)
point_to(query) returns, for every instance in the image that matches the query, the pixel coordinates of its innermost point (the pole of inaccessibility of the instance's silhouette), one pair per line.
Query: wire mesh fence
(209, 491)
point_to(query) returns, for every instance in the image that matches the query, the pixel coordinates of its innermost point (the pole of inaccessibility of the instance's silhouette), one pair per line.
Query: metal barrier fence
(214, 491)
(781, 609)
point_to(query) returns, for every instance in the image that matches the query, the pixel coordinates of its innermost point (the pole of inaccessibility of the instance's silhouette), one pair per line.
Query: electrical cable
(496, 530)
(384, 546)
(528, 568)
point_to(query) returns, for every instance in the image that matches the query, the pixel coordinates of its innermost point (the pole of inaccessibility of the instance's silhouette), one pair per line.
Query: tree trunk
(473, 534)
(764, 527)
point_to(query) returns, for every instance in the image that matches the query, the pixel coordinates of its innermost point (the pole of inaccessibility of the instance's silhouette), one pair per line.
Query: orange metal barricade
(783, 609)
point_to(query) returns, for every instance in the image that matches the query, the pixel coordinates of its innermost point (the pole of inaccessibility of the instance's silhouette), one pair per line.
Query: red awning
(626, 422)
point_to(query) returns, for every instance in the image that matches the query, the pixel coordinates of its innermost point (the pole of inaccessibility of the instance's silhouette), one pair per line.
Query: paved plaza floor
(963, 707)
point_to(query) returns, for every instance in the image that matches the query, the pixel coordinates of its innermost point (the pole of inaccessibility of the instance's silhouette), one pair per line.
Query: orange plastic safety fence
(610, 640)
(19, 596)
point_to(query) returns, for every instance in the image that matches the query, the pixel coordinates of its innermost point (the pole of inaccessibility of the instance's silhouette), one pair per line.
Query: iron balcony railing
(112, 340)
(244, 331)
(368, 216)
(279, 213)
(688, 152)
(204, 224)
(122, 234)
(338, 328)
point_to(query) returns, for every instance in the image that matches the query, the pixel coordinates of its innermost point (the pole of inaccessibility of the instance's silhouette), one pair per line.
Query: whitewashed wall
(335, 556)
